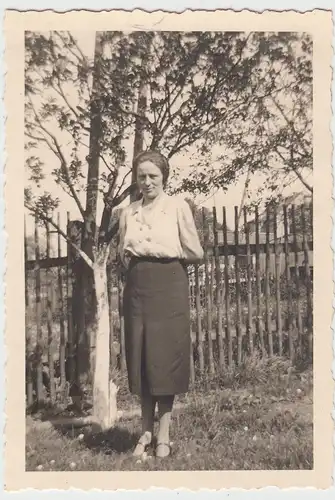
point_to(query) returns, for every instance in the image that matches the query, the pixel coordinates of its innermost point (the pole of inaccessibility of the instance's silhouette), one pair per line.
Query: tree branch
(62, 160)
(106, 235)
(122, 183)
(107, 211)
(87, 146)
(106, 164)
(75, 43)
(81, 58)
(61, 93)
(111, 233)
(216, 85)
(289, 122)
(109, 196)
(168, 109)
(295, 170)
(154, 110)
(42, 139)
(127, 192)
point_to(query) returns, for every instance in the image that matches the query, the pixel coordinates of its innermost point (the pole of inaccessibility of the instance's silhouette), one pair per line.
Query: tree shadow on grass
(114, 440)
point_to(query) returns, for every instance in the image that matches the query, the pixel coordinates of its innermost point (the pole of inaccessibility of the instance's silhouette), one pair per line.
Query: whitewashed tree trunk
(104, 389)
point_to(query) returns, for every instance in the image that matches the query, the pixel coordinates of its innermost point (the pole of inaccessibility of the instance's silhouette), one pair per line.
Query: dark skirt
(157, 326)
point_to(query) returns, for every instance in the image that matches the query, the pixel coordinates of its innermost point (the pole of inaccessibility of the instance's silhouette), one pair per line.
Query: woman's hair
(158, 159)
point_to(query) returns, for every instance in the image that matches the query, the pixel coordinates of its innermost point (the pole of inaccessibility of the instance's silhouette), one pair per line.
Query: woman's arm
(188, 234)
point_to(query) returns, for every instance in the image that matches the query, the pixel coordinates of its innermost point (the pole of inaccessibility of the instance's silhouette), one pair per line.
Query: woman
(158, 238)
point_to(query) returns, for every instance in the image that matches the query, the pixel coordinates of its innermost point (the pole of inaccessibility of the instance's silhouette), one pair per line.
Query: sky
(229, 198)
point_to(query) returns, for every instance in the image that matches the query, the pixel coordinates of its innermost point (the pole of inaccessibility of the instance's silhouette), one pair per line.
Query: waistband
(162, 260)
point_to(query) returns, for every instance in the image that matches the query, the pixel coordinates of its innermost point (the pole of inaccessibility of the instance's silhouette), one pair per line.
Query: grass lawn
(258, 417)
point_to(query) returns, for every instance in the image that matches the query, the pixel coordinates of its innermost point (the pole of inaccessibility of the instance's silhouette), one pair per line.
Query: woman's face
(149, 180)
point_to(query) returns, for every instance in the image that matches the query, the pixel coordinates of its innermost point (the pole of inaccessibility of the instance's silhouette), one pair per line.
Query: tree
(271, 136)
(44, 73)
(163, 90)
(171, 88)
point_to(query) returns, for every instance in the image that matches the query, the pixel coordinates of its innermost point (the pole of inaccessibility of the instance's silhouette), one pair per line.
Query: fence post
(238, 290)
(62, 343)
(296, 275)
(123, 366)
(39, 338)
(288, 285)
(249, 285)
(278, 301)
(69, 291)
(50, 291)
(112, 350)
(259, 323)
(208, 302)
(198, 313)
(219, 331)
(212, 281)
(29, 366)
(307, 281)
(192, 370)
(267, 284)
(226, 285)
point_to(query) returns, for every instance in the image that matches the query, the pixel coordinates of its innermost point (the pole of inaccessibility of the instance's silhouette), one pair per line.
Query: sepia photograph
(169, 226)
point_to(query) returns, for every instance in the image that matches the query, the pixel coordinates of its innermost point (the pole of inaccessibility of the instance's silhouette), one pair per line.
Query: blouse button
(148, 238)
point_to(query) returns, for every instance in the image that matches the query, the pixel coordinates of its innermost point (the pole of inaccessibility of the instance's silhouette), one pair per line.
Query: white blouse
(163, 229)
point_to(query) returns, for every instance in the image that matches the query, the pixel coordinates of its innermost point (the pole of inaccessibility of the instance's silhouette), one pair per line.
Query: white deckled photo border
(319, 24)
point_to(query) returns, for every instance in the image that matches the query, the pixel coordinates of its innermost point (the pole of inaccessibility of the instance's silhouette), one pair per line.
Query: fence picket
(112, 351)
(258, 285)
(70, 333)
(39, 334)
(212, 260)
(309, 319)
(209, 305)
(296, 276)
(29, 364)
(238, 290)
(62, 340)
(199, 342)
(192, 369)
(50, 291)
(226, 287)
(123, 365)
(277, 284)
(310, 218)
(218, 294)
(249, 283)
(267, 285)
(288, 284)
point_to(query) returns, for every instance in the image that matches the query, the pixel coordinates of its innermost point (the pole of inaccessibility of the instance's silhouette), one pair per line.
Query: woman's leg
(165, 404)
(148, 403)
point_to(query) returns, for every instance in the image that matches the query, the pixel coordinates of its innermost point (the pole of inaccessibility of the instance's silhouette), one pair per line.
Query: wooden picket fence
(253, 292)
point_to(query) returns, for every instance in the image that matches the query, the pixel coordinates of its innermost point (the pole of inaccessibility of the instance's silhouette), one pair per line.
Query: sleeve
(188, 234)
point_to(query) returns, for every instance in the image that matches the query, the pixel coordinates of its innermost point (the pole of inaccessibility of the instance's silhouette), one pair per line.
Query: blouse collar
(138, 204)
